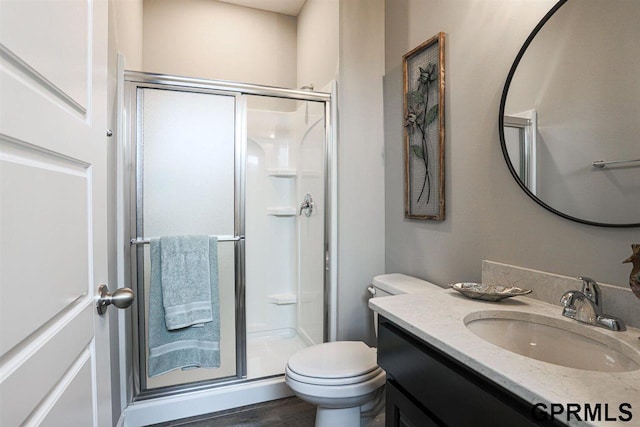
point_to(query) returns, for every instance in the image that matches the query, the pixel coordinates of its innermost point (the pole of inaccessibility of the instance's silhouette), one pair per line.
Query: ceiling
(287, 7)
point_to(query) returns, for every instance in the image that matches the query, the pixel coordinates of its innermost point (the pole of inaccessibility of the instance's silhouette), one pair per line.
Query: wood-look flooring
(289, 412)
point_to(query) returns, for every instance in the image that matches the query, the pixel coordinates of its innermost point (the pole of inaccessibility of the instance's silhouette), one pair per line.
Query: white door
(54, 355)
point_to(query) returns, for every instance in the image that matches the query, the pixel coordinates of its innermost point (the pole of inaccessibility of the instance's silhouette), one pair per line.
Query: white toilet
(342, 378)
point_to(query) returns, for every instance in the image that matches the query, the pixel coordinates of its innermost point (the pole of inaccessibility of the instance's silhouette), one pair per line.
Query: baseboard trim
(202, 402)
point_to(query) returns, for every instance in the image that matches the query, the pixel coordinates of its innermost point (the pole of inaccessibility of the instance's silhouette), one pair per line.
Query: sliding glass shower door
(187, 167)
(211, 158)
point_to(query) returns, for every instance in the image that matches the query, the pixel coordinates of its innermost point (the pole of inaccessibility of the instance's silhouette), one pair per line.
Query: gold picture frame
(423, 70)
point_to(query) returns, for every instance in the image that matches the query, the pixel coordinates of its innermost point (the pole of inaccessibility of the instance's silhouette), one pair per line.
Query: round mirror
(570, 112)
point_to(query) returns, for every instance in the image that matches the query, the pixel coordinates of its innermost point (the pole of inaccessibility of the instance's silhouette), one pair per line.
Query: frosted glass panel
(514, 138)
(188, 156)
(187, 159)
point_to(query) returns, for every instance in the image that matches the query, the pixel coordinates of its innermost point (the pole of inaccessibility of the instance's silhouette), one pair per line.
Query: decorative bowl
(489, 292)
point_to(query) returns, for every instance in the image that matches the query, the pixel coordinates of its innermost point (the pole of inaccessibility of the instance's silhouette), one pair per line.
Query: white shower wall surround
(285, 298)
(285, 160)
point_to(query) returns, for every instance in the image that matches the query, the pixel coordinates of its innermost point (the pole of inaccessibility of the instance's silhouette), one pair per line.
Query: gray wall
(125, 17)
(582, 79)
(318, 43)
(361, 172)
(487, 215)
(215, 40)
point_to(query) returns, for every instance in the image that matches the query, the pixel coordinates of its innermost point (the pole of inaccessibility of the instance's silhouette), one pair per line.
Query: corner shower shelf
(282, 211)
(282, 173)
(283, 299)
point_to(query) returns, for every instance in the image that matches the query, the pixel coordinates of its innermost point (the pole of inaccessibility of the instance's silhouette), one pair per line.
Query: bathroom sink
(553, 341)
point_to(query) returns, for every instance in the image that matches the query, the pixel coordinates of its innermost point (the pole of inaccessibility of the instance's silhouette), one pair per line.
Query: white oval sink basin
(554, 341)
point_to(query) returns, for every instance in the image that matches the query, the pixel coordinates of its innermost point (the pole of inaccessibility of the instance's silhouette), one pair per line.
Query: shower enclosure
(252, 166)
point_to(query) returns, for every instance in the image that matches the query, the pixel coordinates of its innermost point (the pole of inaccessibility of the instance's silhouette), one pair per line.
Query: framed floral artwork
(423, 69)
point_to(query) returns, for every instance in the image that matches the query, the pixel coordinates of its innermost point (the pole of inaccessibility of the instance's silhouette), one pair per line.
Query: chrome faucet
(584, 306)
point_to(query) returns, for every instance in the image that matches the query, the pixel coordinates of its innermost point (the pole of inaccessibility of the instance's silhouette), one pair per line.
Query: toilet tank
(396, 284)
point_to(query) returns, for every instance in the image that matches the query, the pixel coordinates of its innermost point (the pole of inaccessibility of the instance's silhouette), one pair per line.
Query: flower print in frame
(424, 130)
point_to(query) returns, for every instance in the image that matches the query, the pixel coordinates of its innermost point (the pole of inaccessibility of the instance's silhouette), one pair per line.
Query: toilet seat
(340, 395)
(342, 361)
(332, 381)
(335, 370)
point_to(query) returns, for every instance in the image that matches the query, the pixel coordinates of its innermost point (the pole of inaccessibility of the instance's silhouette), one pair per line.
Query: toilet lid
(335, 382)
(338, 359)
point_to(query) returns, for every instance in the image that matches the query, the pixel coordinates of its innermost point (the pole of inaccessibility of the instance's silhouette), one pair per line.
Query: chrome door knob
(121, 298)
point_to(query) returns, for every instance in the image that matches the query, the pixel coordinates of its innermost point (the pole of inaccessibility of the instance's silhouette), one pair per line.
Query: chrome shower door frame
(134, 89)
(135, 82)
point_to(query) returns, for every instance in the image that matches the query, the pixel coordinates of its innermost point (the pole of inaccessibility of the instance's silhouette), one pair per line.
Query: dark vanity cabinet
(425, 387)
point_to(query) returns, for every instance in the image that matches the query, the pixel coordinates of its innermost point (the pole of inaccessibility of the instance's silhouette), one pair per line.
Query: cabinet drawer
(453, 393)
(402, 411)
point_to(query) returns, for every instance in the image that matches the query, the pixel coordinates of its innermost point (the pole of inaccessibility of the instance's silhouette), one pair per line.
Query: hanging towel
(191, 347)
(185, 278)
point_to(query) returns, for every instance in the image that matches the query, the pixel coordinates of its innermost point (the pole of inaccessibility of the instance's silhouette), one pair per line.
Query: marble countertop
(437, 317)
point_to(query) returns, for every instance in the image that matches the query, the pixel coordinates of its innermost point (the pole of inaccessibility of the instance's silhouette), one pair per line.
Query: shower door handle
(121, 298)
(307, 205)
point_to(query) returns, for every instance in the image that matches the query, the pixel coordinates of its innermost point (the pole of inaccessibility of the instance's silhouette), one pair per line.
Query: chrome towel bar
(220, 239)
(601, 163)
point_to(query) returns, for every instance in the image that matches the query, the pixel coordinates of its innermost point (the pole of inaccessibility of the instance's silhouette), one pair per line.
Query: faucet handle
(591, 289)
(567, 299)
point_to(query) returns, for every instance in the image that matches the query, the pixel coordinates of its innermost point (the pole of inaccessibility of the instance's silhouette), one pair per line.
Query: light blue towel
(192, 347)
(185, 278)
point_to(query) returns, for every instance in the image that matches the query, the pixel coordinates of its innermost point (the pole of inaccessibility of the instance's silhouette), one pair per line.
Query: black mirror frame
(503, 144)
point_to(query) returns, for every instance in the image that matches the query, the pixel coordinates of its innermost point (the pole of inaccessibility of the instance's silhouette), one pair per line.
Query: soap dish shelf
(281, 211)
(282, 173)
(283, 299)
